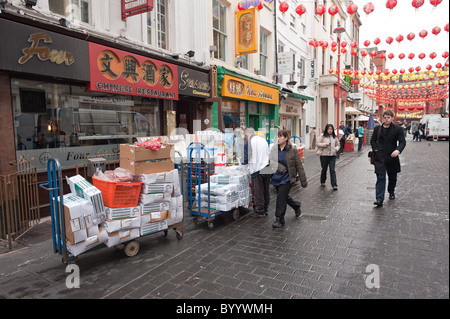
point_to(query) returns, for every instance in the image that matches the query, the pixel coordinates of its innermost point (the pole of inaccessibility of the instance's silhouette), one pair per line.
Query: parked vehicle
(437, 128)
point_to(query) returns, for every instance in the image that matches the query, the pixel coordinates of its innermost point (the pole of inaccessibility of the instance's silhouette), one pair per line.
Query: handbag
(318, 150)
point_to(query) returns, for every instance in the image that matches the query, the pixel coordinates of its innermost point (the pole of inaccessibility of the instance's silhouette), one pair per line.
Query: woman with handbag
(290, 169)
(329, 146)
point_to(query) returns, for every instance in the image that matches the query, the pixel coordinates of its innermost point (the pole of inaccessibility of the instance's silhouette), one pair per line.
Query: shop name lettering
(43, 53)
(236, 88)
(117, 88)
(187, 82)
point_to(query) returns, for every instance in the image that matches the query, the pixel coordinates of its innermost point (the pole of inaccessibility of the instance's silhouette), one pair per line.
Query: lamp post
(338, 31)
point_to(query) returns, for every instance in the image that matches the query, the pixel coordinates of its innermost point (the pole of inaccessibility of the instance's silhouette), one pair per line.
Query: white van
(437, 128)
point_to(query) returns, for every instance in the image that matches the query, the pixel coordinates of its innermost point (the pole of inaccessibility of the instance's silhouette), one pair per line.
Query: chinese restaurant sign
(247, 90)
(119, 72)
(246, 35)
(134, 7)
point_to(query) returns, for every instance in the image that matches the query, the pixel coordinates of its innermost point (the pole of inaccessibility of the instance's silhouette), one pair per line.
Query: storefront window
(66, 122)
(72, 10)
(231, 114)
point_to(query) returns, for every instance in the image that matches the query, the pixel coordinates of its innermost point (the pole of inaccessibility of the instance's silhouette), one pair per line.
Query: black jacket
(394, 140)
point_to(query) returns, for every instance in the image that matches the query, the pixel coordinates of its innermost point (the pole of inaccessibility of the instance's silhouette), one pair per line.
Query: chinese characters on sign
(242, 89)
(116, 71)
(246, 32)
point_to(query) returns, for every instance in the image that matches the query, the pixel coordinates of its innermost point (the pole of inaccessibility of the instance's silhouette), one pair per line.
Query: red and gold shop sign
(342, 91)
(246, 35)
(247, 90)
(134, 7)
(119, 72)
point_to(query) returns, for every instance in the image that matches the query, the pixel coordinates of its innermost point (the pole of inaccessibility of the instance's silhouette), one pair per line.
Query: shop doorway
(253, 121)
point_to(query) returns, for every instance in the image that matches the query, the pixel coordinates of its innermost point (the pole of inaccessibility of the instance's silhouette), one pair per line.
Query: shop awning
(352, 110)
(297, 95)
(361, 118)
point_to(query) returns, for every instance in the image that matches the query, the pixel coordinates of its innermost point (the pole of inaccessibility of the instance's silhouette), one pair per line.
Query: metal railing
(19, 202)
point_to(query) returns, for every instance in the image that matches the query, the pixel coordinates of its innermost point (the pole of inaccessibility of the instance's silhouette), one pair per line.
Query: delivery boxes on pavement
(140, 160)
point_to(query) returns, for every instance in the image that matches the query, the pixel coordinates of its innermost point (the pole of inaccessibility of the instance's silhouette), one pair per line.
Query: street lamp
(338, 31)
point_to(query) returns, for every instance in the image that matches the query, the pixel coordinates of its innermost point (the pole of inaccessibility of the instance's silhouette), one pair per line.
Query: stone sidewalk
(327, 253)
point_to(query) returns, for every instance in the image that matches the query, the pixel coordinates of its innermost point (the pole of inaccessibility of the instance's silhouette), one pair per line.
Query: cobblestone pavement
(335, 250)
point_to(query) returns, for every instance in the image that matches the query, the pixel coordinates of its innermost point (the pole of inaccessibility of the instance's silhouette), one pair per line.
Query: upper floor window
(263, 52)
(219, 29)
(157, 31)
(72, 10)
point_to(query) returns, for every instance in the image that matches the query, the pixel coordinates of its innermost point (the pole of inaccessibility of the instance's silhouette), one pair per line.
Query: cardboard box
(157, 188)
(82, 188)
(89, 243)
(155, 207)
(176, 214)
(140, 153)
(145, 199)
(150, 228)
(155, 217)
(123, 236)
(112, 226)
(121, 213)
(147, 167)
(165, 177)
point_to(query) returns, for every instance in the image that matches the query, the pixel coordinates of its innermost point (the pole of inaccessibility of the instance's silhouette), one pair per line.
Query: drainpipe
(276, 39)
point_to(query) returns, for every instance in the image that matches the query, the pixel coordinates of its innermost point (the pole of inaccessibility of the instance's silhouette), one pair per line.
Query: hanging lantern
(382, 55)
(352, 9)
(411, 108)
(331, 71)
(411, 70)
(373, 54)
(260, 6)
(324, 45)
(429, 67)
(418, 69)
(301, 9)
(343, 44)
(389, 40)
(391, 56)
(354, 52)
(333, 10)
(368, 8)
(433, 55)
(343, 50)
(333, 44)
(320, 10)
(422, 56)
(284, 6)
(394, 71)
(423, 34)
(435, 2)
(402, 71)
(334, 49)
(445, 55)
(376, 41)
(364, 53)
(401, 108)
(391, 4)
(366, 43)
(353, 44)
(438, 66)
(436, 30)
(411, 36)
(446, 27)
(399, 38)
(417, 3)
(401, 56)
(311, 42)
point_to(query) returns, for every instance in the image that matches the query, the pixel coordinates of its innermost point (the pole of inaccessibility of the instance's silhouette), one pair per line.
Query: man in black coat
(388, 141)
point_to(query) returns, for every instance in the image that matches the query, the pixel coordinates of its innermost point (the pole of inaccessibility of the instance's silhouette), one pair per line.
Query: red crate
(117, 195)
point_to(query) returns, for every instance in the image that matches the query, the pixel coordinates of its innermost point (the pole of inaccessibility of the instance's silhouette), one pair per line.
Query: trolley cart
(196, 176)
(56, 195)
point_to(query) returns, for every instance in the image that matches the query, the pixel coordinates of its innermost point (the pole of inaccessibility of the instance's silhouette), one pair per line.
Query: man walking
(256, 156)
(388, 141)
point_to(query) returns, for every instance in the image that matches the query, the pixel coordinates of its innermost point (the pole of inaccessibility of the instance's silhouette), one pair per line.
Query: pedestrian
(290, 169)
(342, 137)
(388, 141)
(405, 131)
(256, 157)
(330, 146)
(361, 134)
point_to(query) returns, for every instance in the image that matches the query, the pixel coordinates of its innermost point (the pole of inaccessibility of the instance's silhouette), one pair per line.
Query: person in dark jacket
(290, 168)
(388, 142)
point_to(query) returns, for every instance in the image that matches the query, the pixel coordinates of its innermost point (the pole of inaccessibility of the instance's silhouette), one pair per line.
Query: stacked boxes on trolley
(156, 203)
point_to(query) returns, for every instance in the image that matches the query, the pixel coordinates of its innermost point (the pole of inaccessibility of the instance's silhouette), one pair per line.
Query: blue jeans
(380, 187)
(330, 161)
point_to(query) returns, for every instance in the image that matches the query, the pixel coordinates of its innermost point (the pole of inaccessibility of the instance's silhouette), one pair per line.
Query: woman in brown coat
(290, 169)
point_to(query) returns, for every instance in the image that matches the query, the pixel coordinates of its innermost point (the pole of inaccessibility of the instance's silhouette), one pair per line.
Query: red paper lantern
(435, 2)
(433, 55)
(420, 108)
(401, 108)
(353, 44)
(240, 7)
(389, 40)
(402, 71)
(333, 44)
(391, 4)
(368, 8)
(417, 3)
(378, 72)
(386, 72)
(422, 56)
(284, 6)
(334, 49)
(418, 69)
(436, 30)
(352, 9)
(391, 56)
(446, 27)
(311, 42)
(411, 108)
(260, 6)
(343, 44)
(354, 51)
(331, 71)
(382, 55)
(366, 43)
(394, 71)
(399, 38)
(320, 10)
(438, 66)
(411, 70)
(332, 10)
(429, 67)
(411, 36)
(377, 41)
(373, 54)
(301, 9)
(423, 34)
(401, 56)
(343, 50)
(445, 55)
(364, 53)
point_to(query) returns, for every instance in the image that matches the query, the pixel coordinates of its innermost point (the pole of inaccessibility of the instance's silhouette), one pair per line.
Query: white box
(145, 199)
(82, 188)
(166, 177)
(112, 226)
(155, 207)
(151, 228)
(155, 217)
(121, 213)
(89, 243)
(157, 188)
(122, 236)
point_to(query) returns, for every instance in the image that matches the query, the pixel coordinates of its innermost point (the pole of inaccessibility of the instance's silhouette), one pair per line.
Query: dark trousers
(360, 142)
(261, 193)
(283, 199)
(325, 162)
(342, 143)
(380, 187)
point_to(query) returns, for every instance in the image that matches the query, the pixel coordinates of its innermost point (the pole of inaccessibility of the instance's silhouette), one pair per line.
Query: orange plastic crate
(117, 195)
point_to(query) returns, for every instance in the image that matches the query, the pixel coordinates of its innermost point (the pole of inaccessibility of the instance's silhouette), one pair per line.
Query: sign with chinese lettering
(32, 50)
(134, 7)
(247, 90)
(246, 35)
(119, 72)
